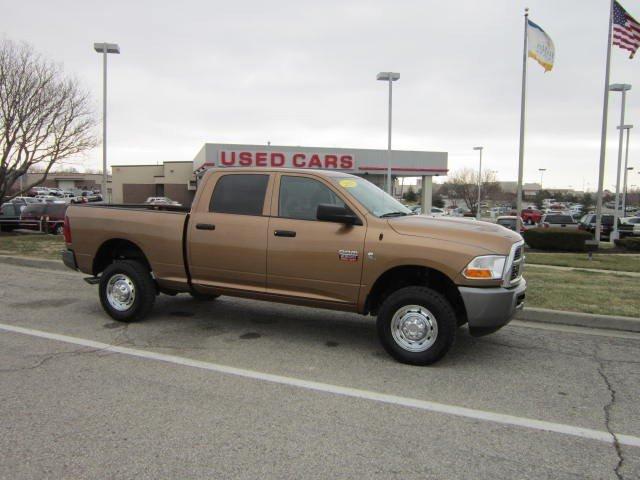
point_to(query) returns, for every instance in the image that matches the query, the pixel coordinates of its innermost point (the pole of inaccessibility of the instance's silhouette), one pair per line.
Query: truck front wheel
(416, 325)
(127, 291)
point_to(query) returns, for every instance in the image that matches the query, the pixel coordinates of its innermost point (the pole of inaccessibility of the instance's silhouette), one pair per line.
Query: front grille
(513, 272)
(518, 253)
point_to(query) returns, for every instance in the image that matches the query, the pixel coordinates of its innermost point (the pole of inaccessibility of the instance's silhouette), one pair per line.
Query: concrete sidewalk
(594, 270)
(542, 315)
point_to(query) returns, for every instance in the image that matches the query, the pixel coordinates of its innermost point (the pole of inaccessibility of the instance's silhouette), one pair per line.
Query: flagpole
(522, 114)
(603, 137)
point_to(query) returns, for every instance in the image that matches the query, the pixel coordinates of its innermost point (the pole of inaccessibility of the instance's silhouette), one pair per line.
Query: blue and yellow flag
(541, 46)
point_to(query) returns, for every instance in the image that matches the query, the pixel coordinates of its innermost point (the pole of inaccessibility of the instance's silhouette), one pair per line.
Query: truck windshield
(378, 202)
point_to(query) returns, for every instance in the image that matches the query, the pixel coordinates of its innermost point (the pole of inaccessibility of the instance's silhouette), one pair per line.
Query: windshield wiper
(394, 214)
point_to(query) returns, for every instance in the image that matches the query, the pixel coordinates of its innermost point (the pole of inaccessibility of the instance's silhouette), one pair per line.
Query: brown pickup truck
(315, 238)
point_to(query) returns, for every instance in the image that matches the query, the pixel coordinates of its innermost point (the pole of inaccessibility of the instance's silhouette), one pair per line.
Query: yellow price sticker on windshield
(348, 183)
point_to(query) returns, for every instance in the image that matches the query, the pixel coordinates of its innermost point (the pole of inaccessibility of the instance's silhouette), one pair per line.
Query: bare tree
(45, 117)
(464, 183)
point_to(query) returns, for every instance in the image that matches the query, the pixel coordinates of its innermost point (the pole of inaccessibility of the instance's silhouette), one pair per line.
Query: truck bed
(156, 230)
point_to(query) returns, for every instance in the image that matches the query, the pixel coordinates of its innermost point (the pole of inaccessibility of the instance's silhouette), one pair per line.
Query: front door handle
(284, 233)
(205, 226)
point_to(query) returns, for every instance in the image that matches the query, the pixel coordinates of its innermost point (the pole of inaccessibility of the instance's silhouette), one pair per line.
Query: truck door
(227, 241)
(310, 258)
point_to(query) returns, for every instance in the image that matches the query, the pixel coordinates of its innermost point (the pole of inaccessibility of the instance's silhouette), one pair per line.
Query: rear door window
(559, 219)
(33, 210)
(239, 194)
(57, 211)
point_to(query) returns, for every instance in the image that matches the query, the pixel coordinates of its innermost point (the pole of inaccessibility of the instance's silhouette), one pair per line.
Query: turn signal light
(477, 273)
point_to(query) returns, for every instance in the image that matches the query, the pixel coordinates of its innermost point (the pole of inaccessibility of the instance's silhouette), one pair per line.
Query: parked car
(161, 201)
(558, 220)
(48, 216)
(435, 211)
(316, 238)
(588, 223)
(23, 200)
(629, 227)
(531, 216)
(10, 216)
(512, 222)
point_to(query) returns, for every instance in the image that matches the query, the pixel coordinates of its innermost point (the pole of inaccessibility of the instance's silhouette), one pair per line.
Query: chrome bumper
(489, 309)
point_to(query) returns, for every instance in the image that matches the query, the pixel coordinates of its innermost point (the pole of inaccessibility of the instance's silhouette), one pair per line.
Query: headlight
(486, 267)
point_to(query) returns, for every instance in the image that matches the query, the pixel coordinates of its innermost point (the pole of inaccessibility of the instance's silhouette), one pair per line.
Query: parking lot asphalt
(244, 389)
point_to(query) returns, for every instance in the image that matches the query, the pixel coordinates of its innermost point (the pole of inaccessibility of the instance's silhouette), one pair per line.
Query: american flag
(626, 30)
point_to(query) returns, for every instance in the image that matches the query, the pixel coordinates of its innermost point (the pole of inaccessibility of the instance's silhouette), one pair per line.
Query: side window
(240, 194)
(300, 196)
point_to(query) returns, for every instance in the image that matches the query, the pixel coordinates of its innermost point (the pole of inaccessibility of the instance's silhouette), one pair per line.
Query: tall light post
(626, 167)
(104, 49)
(389, 77)
(619, 87)
(479, 182)
(541, 170)
(624, 194)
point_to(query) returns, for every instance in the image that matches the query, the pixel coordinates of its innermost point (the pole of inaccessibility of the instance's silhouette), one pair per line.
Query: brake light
(66, 230)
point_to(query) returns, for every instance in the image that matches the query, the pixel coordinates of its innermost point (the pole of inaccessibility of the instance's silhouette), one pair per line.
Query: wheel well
(405, 276)
(115, 249)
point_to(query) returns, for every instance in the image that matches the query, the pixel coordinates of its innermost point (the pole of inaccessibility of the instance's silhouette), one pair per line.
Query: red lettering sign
(247, 158)
(277, 160)
(298, 160)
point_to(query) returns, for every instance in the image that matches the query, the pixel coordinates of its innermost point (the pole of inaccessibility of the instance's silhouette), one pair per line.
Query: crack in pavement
(607, 416)
(78, 351)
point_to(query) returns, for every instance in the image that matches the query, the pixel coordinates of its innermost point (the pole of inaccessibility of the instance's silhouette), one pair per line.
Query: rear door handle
(205, 226)
(284, 233)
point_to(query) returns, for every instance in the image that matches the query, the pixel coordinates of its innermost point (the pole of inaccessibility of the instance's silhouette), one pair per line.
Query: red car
(48, 216)
(531, 216)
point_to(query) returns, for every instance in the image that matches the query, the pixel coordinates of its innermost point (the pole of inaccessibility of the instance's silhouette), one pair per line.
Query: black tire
(202, 297)
(442, 314)
(144, 288)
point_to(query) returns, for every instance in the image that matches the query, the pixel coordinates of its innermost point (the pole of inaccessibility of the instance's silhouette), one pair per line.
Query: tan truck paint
(327, 264)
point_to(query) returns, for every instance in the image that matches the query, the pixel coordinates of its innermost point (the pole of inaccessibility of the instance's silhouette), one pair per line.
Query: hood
(468, 231)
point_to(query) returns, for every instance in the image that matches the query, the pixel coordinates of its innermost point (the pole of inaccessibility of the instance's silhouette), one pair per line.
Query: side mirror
(335, 213)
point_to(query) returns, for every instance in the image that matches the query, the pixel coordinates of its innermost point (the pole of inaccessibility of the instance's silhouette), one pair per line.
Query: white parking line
(471, 413)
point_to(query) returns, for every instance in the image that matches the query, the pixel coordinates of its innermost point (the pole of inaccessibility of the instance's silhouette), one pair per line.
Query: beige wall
(134, 175)
(134, 183)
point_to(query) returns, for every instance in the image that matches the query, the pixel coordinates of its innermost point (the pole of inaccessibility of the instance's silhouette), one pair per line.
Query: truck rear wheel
(416, 325)
(127, 291)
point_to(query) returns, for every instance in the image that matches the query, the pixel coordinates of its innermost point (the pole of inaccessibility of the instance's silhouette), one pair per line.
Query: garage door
(66, 184)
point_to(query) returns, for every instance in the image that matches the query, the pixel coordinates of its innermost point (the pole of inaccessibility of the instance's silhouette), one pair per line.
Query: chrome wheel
(414, 328)
(121, 292)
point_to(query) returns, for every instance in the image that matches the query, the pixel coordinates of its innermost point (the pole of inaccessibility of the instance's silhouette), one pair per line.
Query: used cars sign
(246, 158)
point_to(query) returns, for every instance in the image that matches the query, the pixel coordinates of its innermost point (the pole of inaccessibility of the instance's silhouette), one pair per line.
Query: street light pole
(389, 77)
(541, 170)
(104, 49)
(619, 87)
(624, 195)
(626, 168)
(479, 182)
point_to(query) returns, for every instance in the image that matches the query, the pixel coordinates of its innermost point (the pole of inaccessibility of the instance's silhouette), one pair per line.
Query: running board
(92, 280)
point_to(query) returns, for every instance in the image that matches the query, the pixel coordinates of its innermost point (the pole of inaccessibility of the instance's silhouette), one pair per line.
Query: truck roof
(323, 173)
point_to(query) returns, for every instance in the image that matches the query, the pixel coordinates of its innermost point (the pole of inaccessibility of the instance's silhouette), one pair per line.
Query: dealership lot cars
(225, 390)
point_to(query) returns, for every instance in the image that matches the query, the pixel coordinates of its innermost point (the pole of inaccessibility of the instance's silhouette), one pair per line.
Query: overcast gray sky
(303, 73)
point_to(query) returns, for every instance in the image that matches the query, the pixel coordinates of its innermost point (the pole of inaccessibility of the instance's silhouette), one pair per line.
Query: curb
(34, 262)
(540, 315)
(606, 322)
